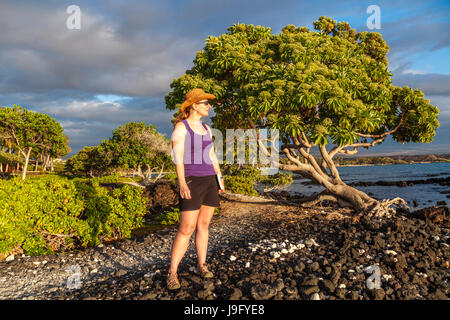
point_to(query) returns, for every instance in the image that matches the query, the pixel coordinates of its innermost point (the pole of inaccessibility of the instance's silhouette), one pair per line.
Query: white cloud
(409, 71)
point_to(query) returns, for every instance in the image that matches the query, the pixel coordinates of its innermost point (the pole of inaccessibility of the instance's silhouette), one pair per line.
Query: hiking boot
(172, 281)
(204, 272)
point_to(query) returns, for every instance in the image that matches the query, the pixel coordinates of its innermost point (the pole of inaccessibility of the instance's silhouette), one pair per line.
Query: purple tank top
(196, 159)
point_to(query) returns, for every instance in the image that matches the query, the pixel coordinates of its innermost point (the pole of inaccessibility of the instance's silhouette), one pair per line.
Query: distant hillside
(399, 159)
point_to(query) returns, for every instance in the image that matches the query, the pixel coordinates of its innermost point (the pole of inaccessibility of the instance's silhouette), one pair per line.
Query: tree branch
(349, 152)
(366, 144)
(330, 163)
(300, 165)
(363, 135)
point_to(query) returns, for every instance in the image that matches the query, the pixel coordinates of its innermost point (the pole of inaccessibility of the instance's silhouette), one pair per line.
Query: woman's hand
(223, 183)
(185, 192)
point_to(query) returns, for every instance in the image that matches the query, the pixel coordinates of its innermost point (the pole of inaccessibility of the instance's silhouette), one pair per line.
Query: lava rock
(308, 291)
(327, 285)
(340, 293)
(378, 294)
(262, 292)
(236, 294)
(310, 281)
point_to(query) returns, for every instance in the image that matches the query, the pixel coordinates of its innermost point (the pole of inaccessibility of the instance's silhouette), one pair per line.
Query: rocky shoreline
(259, 248)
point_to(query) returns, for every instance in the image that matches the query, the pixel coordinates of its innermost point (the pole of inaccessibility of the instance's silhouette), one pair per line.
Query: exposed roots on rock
(326, 197)
(373, 208)
(56, 241)
(383, 208)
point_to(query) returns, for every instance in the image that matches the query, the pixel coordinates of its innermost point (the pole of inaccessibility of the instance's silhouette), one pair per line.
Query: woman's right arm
(178, 137)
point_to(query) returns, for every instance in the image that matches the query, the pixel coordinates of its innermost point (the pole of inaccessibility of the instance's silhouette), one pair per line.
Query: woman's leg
(188, 221)
(201, 235)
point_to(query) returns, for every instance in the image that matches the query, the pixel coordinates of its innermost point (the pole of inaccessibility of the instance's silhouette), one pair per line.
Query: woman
(196, 165)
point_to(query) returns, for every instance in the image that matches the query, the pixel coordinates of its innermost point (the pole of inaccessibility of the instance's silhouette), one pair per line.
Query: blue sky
(118, 67)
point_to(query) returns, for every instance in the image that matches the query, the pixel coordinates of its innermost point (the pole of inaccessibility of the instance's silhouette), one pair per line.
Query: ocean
(426, 195)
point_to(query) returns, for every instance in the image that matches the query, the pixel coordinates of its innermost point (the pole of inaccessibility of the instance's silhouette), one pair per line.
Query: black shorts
(204, 190)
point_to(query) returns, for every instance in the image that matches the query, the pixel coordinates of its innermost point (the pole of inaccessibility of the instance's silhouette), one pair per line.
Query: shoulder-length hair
(183, 115)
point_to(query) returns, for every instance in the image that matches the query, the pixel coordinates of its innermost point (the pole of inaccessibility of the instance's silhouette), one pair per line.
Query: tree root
(374, 208)
(56, 241)
(383, 208)
(326, 197)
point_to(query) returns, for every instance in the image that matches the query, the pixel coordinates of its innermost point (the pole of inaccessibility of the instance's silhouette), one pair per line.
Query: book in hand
(219, 182)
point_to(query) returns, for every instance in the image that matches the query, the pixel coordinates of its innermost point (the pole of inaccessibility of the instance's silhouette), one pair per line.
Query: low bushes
(241, 180)
(51, 213)
(170, 217)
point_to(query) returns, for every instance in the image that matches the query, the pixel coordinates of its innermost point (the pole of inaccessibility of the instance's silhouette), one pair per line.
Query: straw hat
(195, 95)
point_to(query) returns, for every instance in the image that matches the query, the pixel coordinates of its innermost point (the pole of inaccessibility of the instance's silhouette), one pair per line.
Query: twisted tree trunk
(27, 158)
(326, 174)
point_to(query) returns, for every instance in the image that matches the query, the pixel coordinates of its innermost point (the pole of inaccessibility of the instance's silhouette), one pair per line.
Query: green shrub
(277, 179)
(113, 178)
(241, 179)
(240, 184)
(29, 208)
(171, 176)
(33, 210)
(112, 214)
(170, 217)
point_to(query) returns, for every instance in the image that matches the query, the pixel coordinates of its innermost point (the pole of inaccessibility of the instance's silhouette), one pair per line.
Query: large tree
(89, 161)
(30, 131)
(136, 145)
(328, 92)
(132, 145)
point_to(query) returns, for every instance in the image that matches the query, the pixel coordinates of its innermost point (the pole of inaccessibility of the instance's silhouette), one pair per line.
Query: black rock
(327, 285)
(378, 243)
(279, 285)
(300, 267)
(355, 253)
(354, 295)
(310, 281)
(262, 292)
(202, 294)
(314, 266)
(335, 276)
(327, 270)
(292, 291)
(310, 290)
(377, 294)
(236, 294)
(340, 293)
(438, 295)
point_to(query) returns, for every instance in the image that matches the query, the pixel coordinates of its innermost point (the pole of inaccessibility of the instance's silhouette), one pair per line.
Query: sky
(119, 64)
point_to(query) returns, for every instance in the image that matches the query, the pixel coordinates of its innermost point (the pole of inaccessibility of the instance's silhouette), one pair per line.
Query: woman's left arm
(213, 157)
